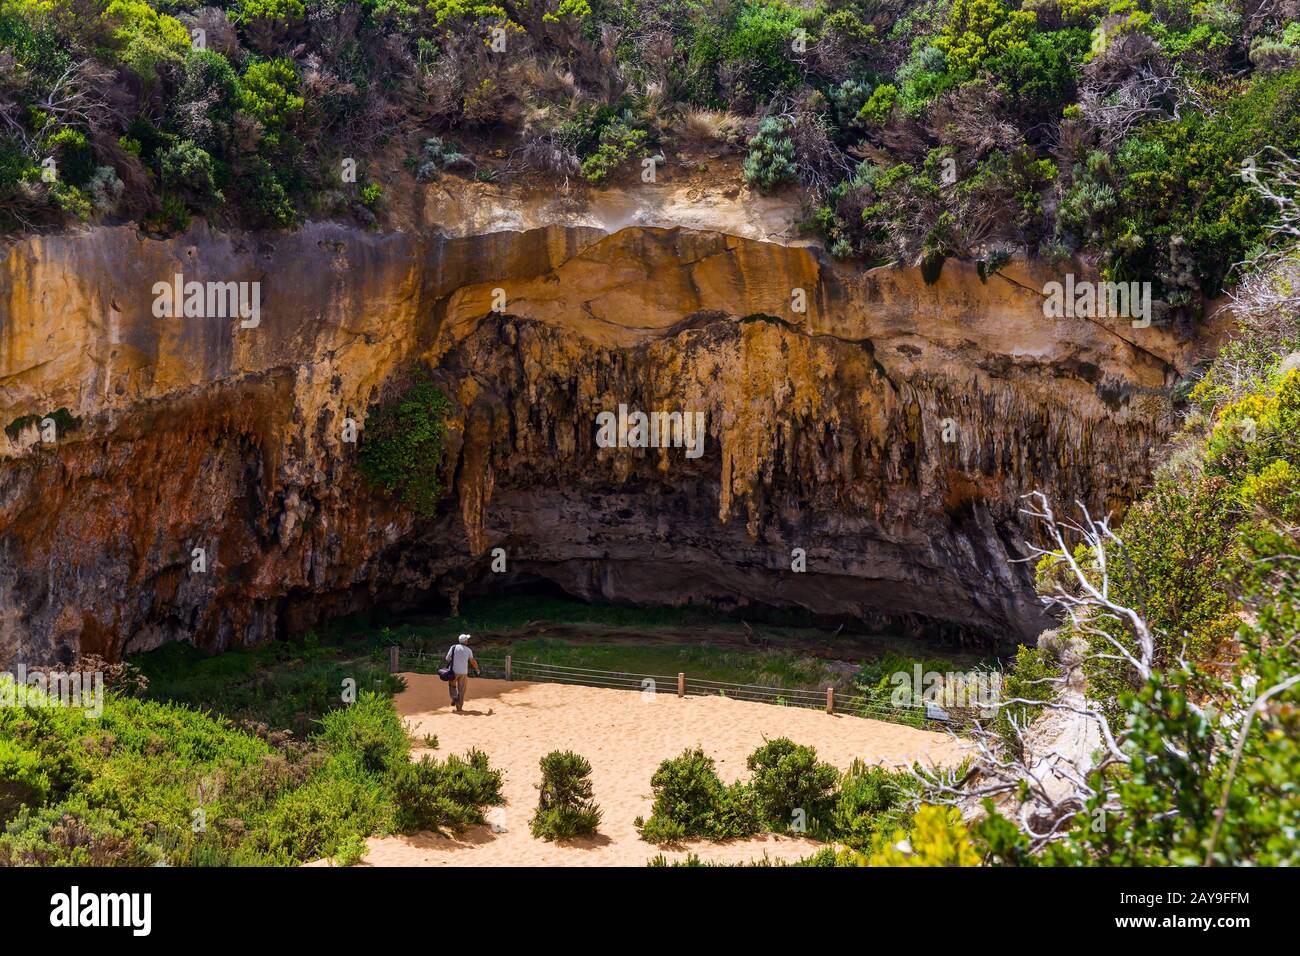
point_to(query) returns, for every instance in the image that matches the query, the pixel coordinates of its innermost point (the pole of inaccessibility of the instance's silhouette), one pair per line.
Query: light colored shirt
(460, 655)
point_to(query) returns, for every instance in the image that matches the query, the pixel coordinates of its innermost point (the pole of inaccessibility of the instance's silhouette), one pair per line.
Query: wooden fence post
(392, 658)
(830, 700)
(507, 667)
(681, 684)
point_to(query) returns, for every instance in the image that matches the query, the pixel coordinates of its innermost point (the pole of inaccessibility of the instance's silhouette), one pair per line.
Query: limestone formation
(887, 428)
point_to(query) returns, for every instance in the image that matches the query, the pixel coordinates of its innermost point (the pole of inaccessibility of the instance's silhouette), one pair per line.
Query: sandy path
(625, 737)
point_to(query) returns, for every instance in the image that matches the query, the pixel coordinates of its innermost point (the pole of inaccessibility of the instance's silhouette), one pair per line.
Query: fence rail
(874, 706)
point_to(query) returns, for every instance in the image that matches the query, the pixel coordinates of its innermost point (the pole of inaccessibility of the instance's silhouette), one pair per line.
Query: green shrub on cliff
(770, 162)
(402, 447)
(617, 144)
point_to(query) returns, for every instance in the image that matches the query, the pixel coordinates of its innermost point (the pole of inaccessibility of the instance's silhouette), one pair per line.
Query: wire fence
(859, 704)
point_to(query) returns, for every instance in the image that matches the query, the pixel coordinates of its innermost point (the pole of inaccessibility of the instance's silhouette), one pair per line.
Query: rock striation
(883, 425)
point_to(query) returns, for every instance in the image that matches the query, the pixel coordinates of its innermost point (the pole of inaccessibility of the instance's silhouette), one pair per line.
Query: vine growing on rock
(402, 446)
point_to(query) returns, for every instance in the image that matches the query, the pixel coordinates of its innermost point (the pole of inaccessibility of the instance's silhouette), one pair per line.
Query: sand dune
(625, 736)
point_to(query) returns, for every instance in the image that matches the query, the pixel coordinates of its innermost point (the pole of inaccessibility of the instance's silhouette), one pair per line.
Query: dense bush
(565, 807)
(790, 784)
(870, 800)
(402, 446)
(366, 735)
(770, 162)
(1185, 212)
(151, 782)
(937, 837)
(616, 144)
(789, 790)
(447, 797)
(690, 800)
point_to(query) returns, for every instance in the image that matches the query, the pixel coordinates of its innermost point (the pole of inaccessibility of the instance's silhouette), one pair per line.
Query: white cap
(464, 638)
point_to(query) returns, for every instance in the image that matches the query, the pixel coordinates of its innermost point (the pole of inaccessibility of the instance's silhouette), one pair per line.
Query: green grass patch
(701, 661)
(285, 686)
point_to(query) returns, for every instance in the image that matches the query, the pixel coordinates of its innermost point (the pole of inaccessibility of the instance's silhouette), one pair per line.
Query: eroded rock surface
(825, 429)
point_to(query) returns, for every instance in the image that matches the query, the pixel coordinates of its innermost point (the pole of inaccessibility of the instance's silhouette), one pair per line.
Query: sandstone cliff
(825, 429)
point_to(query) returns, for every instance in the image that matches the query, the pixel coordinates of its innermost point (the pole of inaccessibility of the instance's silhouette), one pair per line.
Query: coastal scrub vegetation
(402, 446)
(1182, 624)
(152, 782)
(789, 791)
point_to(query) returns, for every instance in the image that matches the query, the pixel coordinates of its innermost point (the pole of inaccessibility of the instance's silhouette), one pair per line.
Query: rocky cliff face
(887, 428)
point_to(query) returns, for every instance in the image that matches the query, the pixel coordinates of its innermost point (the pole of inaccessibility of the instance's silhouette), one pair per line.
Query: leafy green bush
(367, 735)
(758, 44)
(878, 107)
(690, 800)
(617, 143)
(351, 851)
(188, 168)
(282, 12)
(687, 793)
(23, 781)
(788, 780)
(1186, 212)
(269, 93)
(446, 797)
(770, 162)
(565, 807)
(870, 800)
(937, 837)
(145, 39)
(402, 446)
(316, 819)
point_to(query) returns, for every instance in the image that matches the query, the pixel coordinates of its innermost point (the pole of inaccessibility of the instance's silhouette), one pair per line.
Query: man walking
(461, 657)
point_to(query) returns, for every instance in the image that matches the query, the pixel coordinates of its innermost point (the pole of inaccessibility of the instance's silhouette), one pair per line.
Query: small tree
(565, 808)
